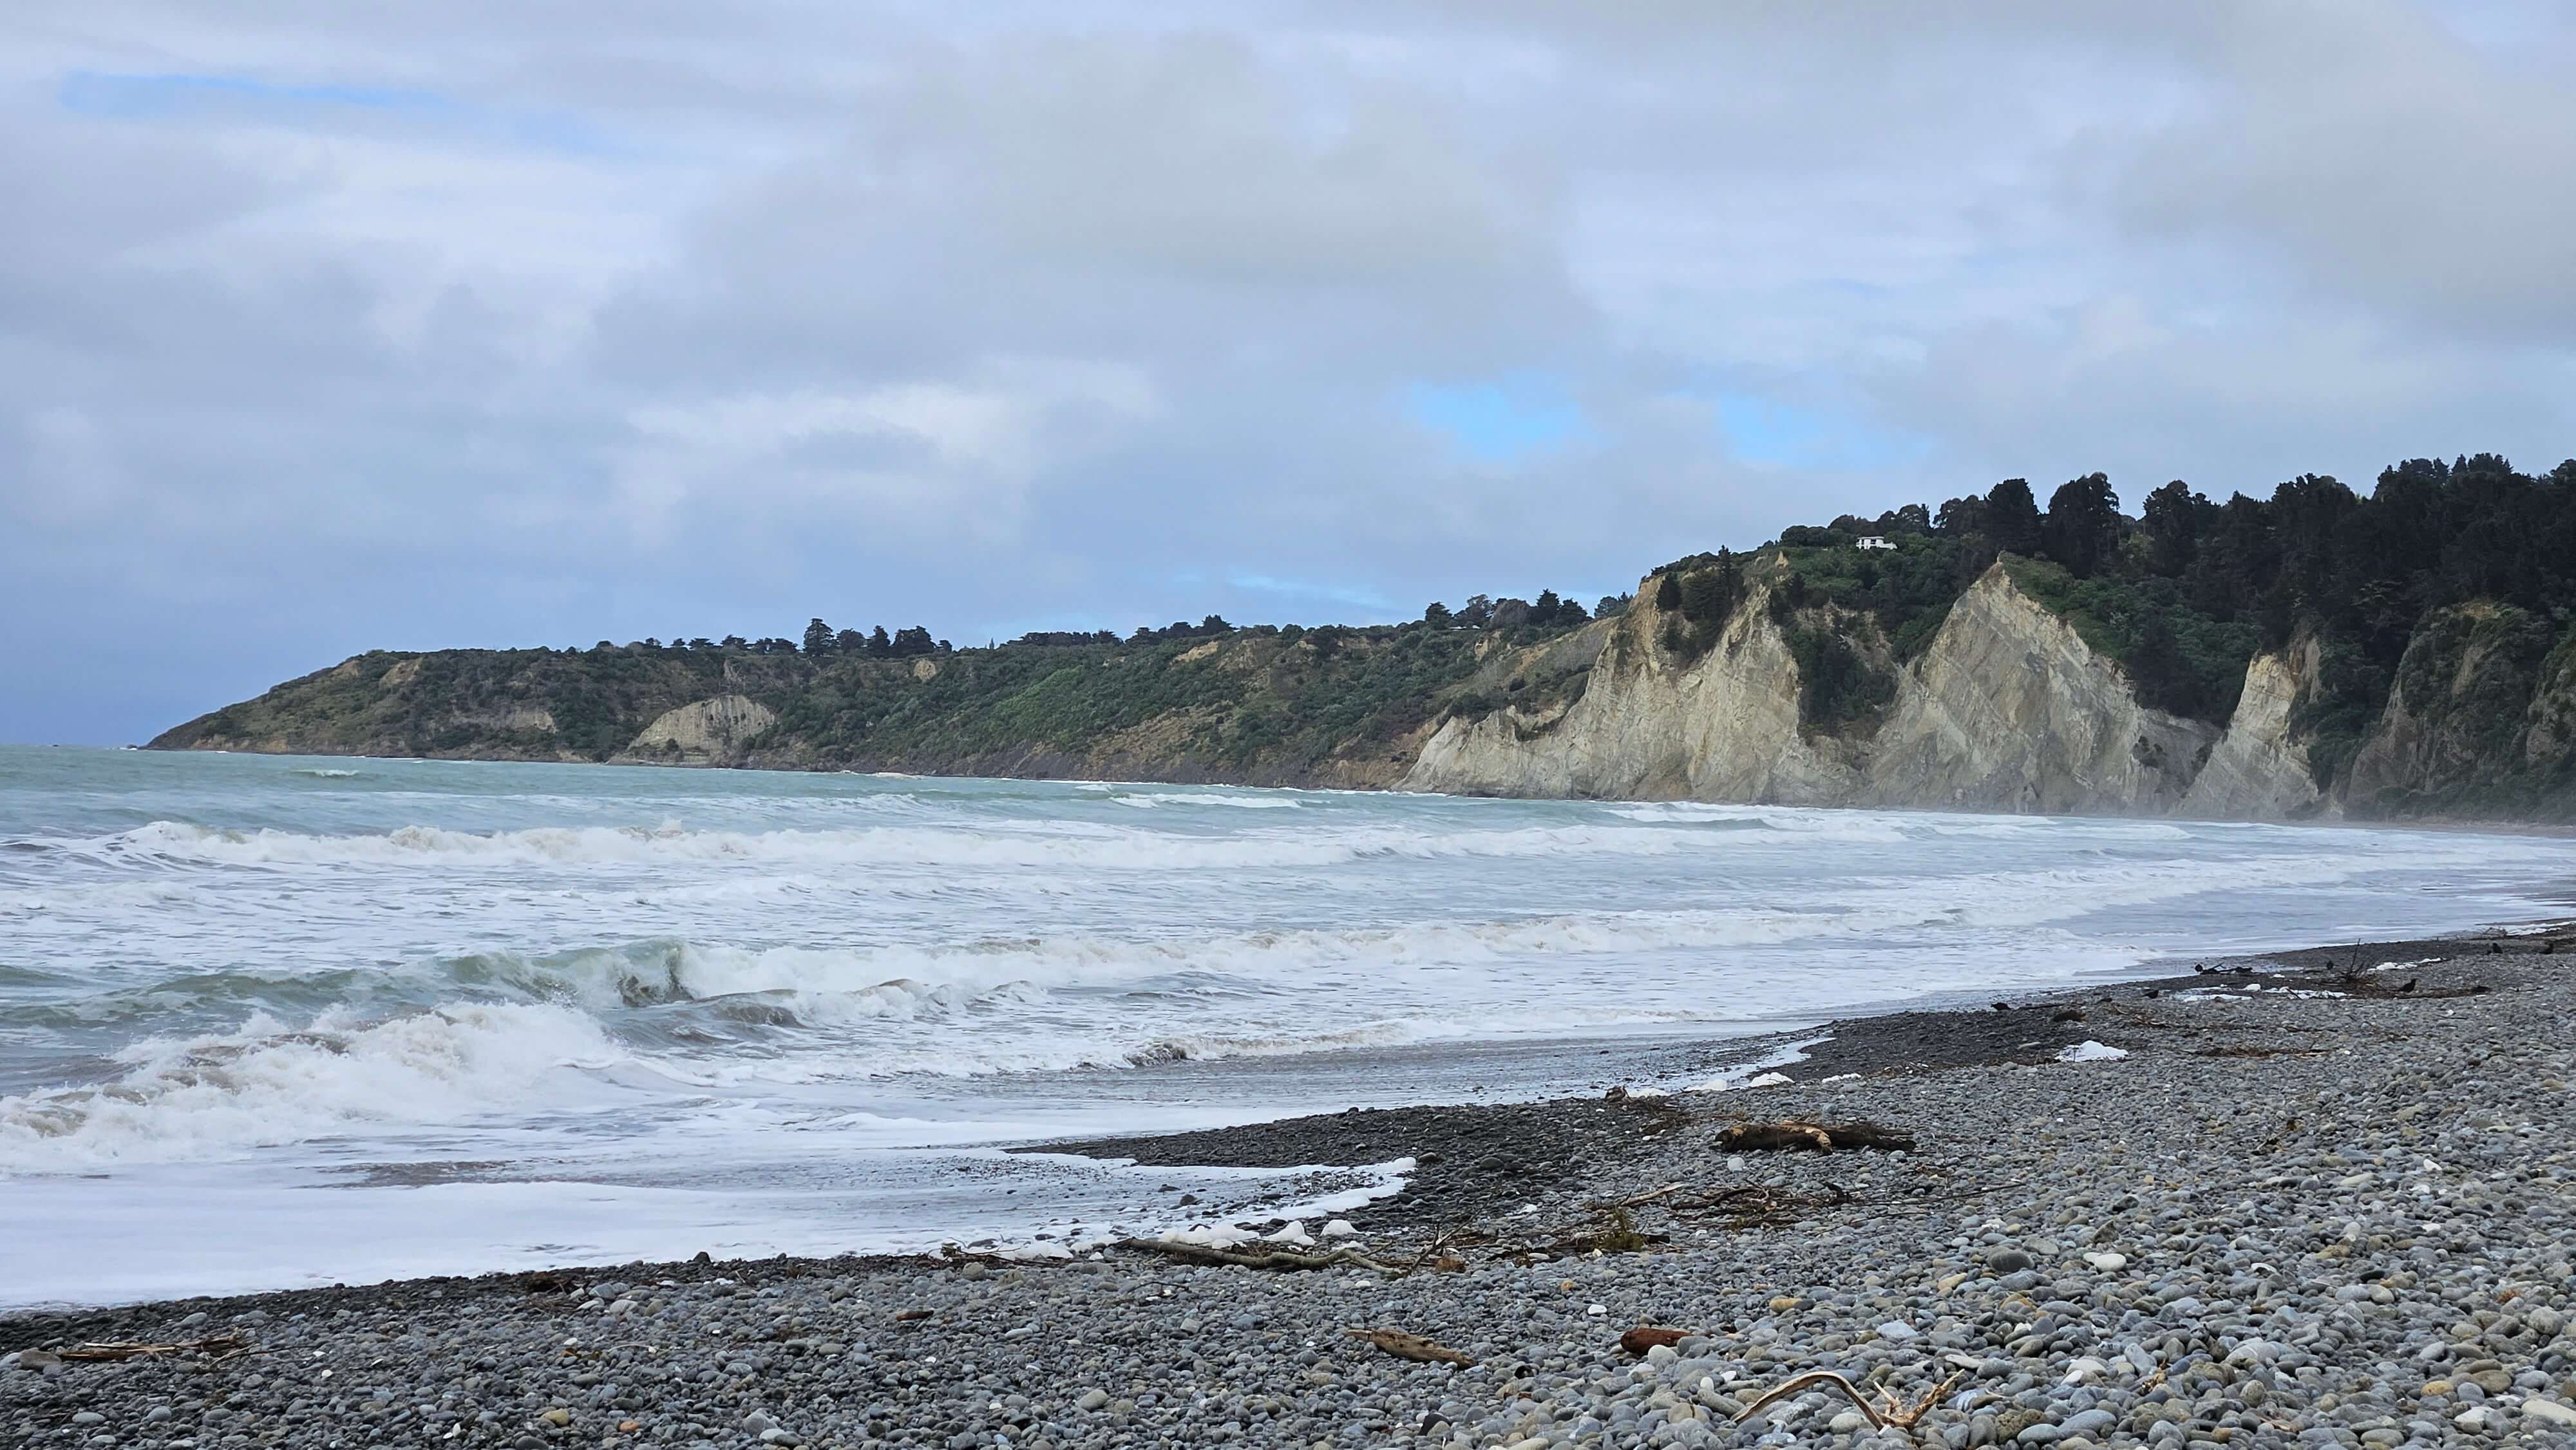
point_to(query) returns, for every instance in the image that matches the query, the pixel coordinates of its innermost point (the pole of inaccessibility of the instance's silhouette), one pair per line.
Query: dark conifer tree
(2082, 530)
(2012, 517)
(2174, 516)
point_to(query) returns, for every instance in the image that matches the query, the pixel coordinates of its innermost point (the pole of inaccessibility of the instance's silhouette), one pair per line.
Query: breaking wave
(266, 1083)
(1059, 844)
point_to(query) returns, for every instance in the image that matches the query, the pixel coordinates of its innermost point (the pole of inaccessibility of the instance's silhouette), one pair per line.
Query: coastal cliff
(2010, 710)
(2007, 710)
(2259, 768)
(1646, 723)
(2316, 656)
(2005, 706)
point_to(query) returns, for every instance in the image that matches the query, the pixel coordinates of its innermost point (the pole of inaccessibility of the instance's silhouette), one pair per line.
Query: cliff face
(2009, 710)
(2477, 722)
(2006, 710)
(2259, 769)
(710, 730)
(1648, 723)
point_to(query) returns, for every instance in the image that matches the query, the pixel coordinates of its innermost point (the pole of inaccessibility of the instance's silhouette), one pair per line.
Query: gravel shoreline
(2311, 1205)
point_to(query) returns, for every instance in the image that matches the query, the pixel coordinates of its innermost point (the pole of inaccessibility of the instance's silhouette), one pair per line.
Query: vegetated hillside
(1333, 705)
(2405, 653)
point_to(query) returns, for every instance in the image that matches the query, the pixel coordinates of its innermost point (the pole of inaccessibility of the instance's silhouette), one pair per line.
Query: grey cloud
(708, 320)
(2373, 154)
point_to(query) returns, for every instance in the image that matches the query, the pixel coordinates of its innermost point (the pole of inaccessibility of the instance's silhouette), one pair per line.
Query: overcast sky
(504, 322)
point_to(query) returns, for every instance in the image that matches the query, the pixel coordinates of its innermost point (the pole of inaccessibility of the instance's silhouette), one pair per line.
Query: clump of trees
(1212, 627)
(822, 640)
(1547, 612)
(2183, 593)
(1696, 596)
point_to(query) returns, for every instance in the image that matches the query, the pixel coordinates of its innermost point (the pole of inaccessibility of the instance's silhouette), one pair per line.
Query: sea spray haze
(366, 1018)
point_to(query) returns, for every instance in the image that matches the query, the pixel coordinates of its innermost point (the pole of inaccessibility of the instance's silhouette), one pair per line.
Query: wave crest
(267, 1083)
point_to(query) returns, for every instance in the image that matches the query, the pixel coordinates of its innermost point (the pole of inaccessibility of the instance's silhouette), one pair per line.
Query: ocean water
(270, 1021)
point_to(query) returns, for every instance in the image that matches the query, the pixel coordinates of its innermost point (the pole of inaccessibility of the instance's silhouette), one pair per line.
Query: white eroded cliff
(707, 729)
(2007, 709)
(1650, 725)
(2258, 771)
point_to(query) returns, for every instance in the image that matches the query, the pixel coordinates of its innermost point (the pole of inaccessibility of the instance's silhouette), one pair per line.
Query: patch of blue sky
(1774, 434)
(1499, 420)
(183, 97)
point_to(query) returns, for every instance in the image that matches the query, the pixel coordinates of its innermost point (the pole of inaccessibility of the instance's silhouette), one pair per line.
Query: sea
(276, 1021)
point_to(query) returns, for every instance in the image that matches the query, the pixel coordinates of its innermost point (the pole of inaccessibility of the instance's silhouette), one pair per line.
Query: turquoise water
(517, 1013)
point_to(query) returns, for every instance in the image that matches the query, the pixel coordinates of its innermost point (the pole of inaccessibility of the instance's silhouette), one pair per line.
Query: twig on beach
(1756, 1204)
(1650, 1195)
(1978, 1191)
(1887, 1410)
(1430, 1249)
(222, 1346)
(1410, 1346)
(1617, 1234)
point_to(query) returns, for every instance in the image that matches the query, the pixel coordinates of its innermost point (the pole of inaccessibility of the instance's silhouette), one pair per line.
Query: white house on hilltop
(1875, 541)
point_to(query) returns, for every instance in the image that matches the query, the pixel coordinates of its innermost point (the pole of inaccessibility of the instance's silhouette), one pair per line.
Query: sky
(326, 328)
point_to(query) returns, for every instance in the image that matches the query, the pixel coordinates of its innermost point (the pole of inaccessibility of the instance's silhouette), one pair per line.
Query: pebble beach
(2326, 1198)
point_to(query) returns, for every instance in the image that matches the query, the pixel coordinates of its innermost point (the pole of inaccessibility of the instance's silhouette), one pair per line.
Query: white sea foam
(1037, 845)
(266, 1083)
(1759, 1073)
(1152, 799)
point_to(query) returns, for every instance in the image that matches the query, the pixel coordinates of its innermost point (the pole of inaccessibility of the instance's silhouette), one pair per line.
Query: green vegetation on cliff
(2184, 594)
(1334, 704)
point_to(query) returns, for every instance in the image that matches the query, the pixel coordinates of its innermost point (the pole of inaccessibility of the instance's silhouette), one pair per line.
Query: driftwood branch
(1287, 1259)
(1431, 1255)
(1410, 1346)
(1887, 1410)
(1635, 1200)
(221, 1346)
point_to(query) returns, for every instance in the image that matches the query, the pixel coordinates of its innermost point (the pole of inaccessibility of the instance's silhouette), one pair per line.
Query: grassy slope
(1325, 705)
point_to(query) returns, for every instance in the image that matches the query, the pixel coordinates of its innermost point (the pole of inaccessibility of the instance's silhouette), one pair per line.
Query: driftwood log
(1410, 1346)
(1814, 1137)
(222, 1346)
(1286, 1259)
